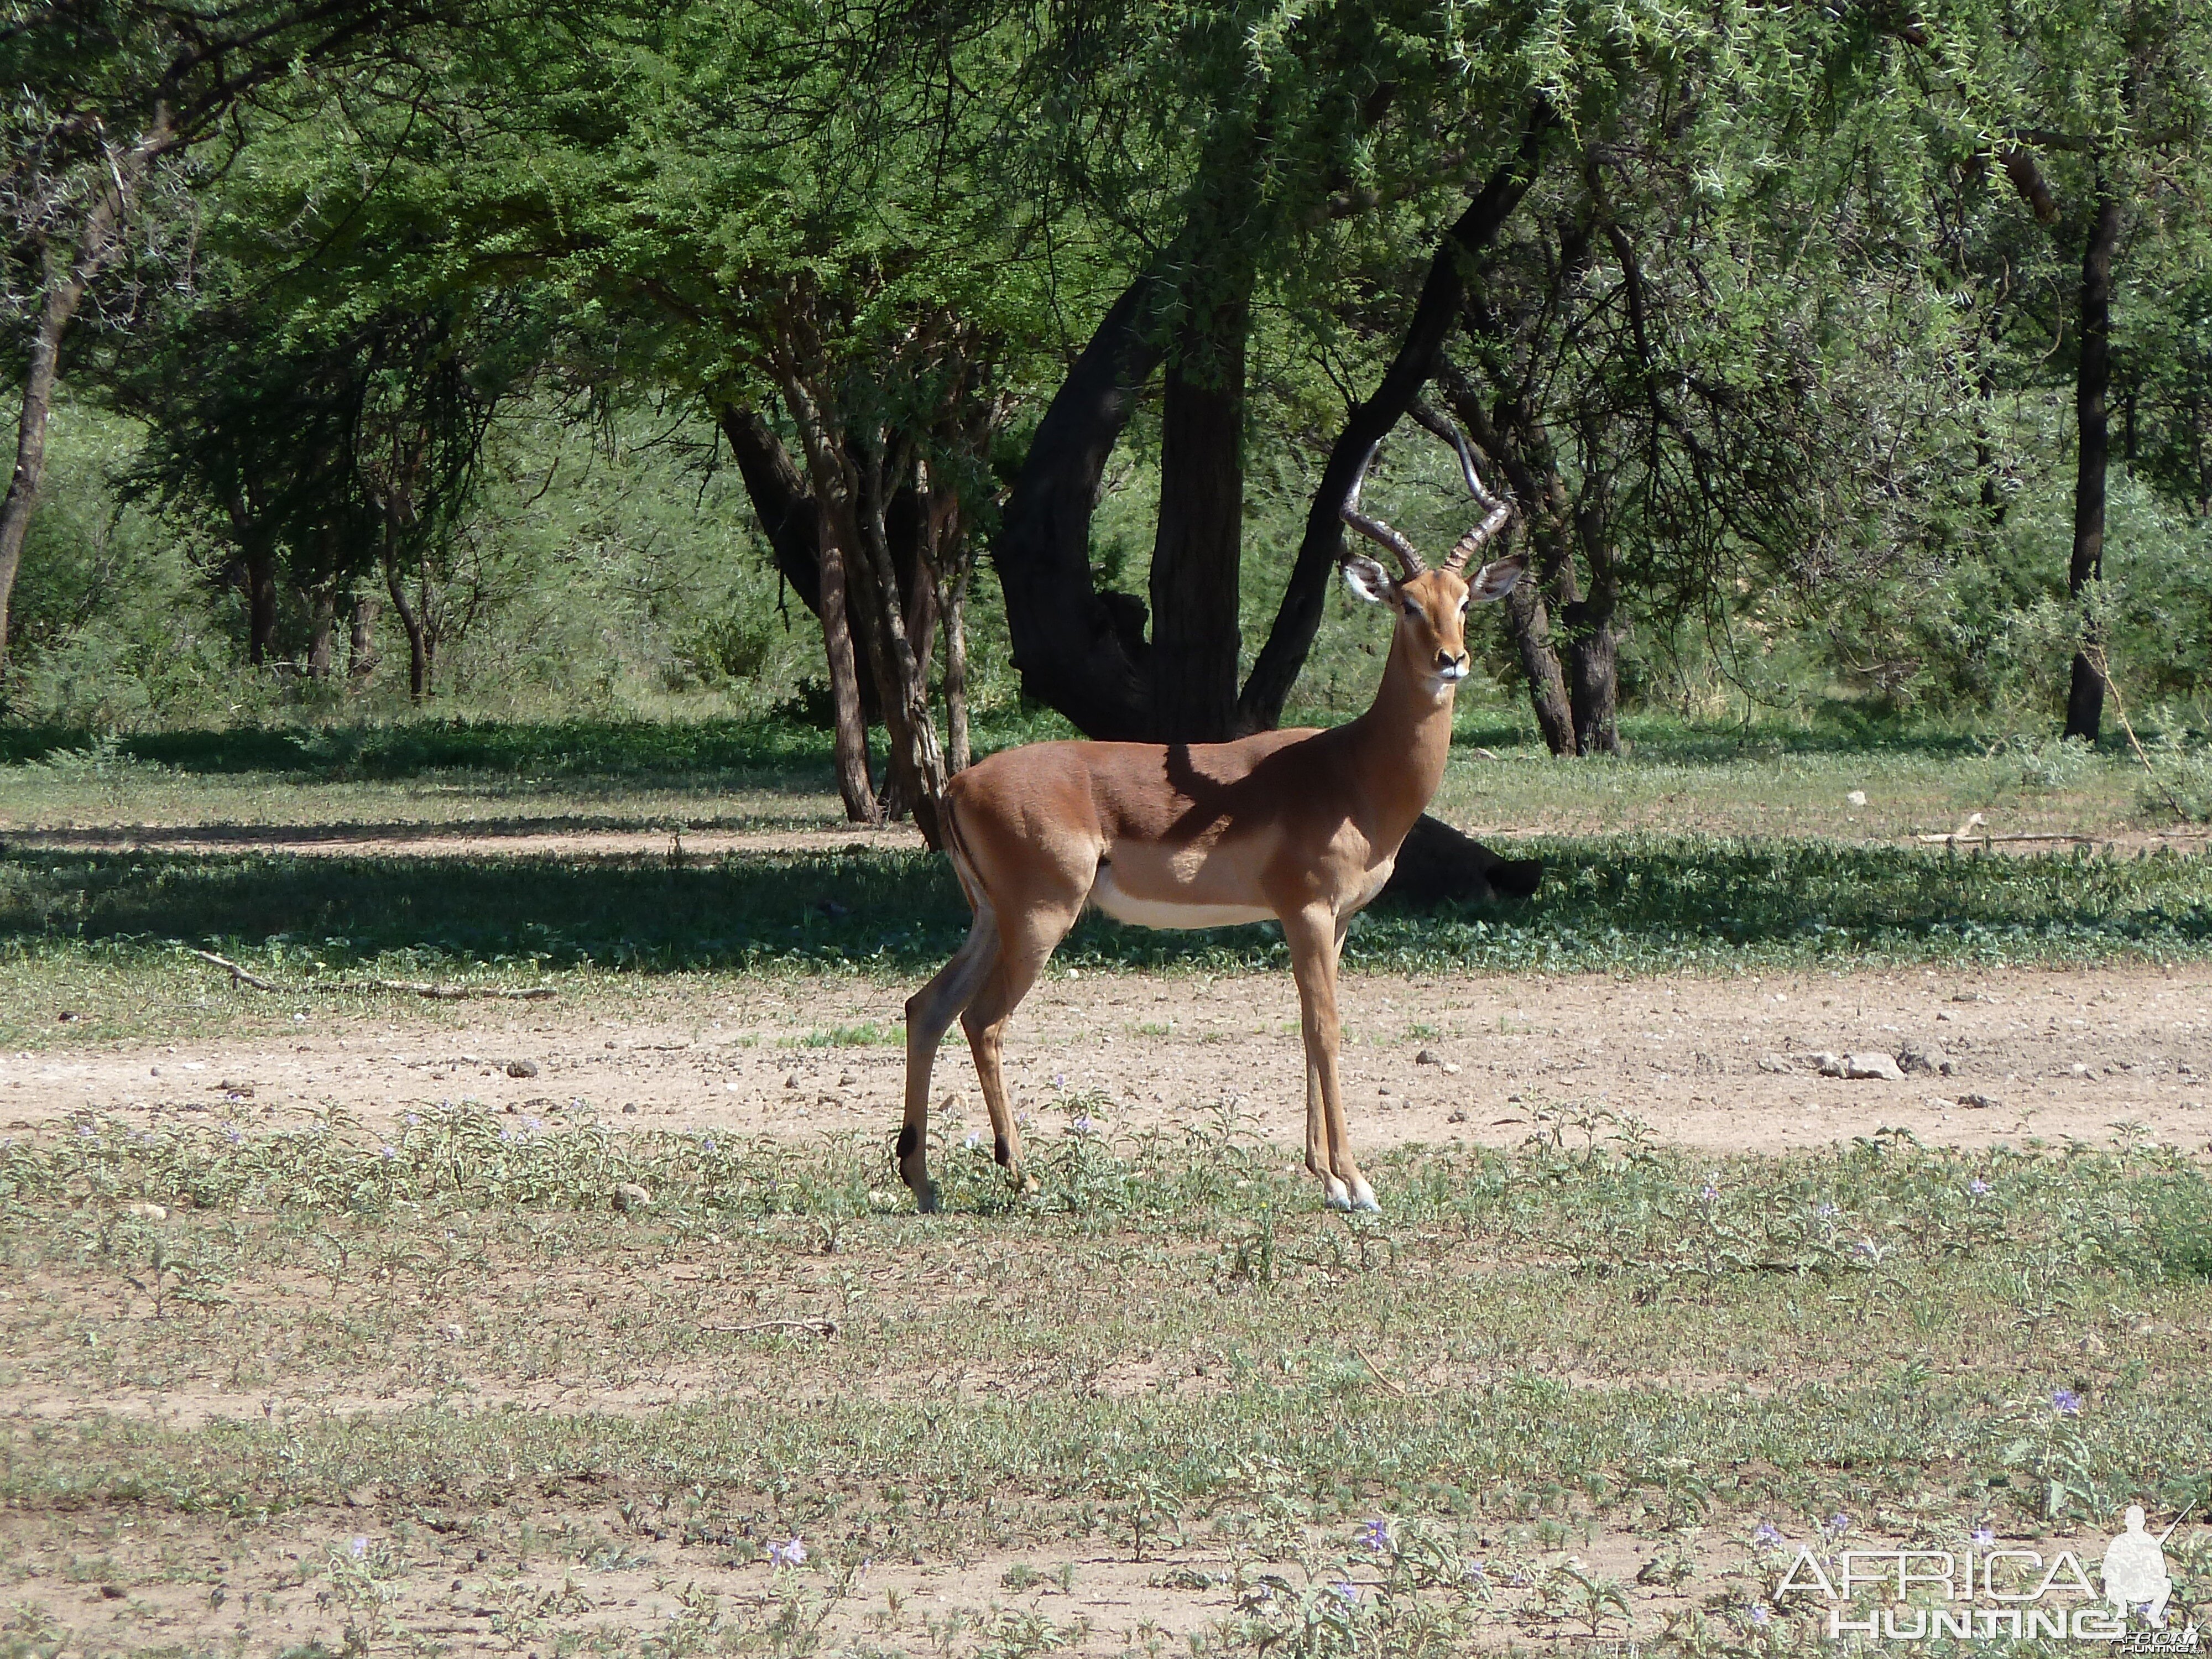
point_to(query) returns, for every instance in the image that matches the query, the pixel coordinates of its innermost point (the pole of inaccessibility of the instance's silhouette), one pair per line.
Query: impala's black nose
(1452, 667)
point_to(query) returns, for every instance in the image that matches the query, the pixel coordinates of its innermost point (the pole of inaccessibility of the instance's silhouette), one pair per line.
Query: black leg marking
(909, 1138)
(1003, 1152)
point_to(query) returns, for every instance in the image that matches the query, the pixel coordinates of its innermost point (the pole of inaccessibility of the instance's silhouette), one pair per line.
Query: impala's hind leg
(929, 1012)
(1022, 958)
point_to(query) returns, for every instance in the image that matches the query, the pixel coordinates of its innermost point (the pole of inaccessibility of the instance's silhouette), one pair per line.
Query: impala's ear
(1496, 579)
(1364, 577)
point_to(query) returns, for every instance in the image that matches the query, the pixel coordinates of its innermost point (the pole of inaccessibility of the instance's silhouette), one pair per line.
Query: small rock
(791, 1082)
(1857, 798)
(1775, 1063)
(2077, 1069)
(451, 1333)
(1428, 1057)
(1946, 1068)
(632, 1198)
(145, 1211)
(827, 1100)
(1457, 1116)
(846, 1079)
(1827, 1065)
(2093, 1346)
(1978, 1103)
(69, 1016)
(522, 1068)
(235, 1091)
(629, 1108)
(1451, 1068)
(1875, 1065)
(362, 1497)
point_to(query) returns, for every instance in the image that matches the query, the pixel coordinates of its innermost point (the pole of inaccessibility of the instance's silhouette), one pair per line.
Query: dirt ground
(1725, 1063)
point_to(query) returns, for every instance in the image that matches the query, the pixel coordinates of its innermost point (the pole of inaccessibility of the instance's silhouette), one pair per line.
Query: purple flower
(506, 1135)
(974, 1140)
(1060, 1080)
(359, 1548)
(1348, 1591)
(86, 1132)
(233, 1136)
(2066, 1402)
(1478, 1572)
(1375, 1535)
(387, 1153)
(1083, 1126)
(793, 1554)
(1838, 1524)
(1983, 1535)
(1978, 1187)
(1759, 1615)
(1709, 1192)
(532, 1123)
(1768, 1535)
(1826, 1212)
(707, 1146)
(413, 1120)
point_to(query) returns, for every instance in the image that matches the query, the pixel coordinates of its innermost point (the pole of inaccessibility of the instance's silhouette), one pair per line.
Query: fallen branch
(1380, 1375)
(818, 1327)
(1978, 838)
(415, 987)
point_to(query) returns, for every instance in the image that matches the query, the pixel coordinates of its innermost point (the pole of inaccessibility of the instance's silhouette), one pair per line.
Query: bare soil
(1725, 1063)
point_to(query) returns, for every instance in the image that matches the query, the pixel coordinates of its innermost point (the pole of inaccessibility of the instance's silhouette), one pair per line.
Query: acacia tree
(2096, 113)
(110, 96)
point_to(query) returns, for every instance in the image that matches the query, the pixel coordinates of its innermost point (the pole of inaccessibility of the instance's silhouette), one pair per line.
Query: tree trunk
(1436, 864)
(1530, 621)
(2084, 699)
(361, 637)
(1593, 643)
(1518, 444)
(260, 600)
(1276, 669)
(1199, 541)
(323, 621)
(852, 730)
(64, 291)
(410, 623)
(952, 609)
(1077, 650)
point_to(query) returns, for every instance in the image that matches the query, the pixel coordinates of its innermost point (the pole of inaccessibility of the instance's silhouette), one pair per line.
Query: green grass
(1589, 1332)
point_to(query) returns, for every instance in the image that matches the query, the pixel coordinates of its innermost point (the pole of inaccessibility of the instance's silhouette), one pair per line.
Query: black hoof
(925, 1199)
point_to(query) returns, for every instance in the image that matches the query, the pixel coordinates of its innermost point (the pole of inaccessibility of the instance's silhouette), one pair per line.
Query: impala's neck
(1402, 742)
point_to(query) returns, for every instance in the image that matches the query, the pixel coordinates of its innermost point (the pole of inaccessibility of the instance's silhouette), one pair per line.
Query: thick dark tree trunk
(1196, 552)
(1077, 650)
(1276, 669)
(2084, 699)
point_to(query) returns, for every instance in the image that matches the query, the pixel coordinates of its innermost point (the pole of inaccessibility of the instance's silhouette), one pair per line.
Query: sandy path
(1705, 1062)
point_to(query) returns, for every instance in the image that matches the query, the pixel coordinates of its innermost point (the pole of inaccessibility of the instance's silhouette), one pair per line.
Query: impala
(1298, 827)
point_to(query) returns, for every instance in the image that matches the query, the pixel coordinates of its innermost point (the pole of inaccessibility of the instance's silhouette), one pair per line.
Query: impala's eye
(1413, 608)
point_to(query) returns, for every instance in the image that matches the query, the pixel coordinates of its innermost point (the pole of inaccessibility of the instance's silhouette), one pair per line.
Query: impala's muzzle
(1451, 668)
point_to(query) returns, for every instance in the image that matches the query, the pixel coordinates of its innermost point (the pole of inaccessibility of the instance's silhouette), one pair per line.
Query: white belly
(1165, 913)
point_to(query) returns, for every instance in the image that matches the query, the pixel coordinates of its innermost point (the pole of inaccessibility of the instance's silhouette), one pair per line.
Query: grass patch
(1589, 1333)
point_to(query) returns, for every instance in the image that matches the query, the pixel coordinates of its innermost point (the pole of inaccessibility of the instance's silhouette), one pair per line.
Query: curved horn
(1497, 511)
(1373, 528)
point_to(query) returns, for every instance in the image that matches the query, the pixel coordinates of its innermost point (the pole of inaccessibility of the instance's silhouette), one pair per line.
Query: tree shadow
(1645, 903)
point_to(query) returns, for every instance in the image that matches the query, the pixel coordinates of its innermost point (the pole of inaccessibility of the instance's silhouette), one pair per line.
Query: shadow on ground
(1634, 903)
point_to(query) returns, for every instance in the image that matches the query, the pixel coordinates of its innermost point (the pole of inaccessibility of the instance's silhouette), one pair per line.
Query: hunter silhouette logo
(2135, 1570)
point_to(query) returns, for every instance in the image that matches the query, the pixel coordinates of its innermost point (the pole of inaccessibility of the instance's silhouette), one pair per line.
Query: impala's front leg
(1312, 937)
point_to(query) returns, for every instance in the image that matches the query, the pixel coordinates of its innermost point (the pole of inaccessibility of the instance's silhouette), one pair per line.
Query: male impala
(1301, 827)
